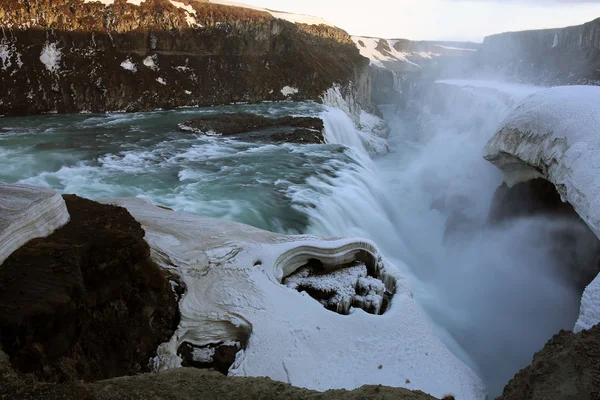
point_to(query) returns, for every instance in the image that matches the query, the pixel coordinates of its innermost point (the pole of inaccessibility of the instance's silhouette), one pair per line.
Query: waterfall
(491, 292)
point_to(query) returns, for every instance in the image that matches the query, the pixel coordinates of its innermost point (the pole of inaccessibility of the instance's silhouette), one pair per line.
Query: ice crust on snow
(555, 134)
(347, 286)
(233, 275)
(28, 212)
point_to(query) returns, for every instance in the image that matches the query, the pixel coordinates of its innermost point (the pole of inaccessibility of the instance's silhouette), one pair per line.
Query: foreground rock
(183, 384)
(567, 368)
(256, 127)
(235, 297)
(26, 213)
(86, 302)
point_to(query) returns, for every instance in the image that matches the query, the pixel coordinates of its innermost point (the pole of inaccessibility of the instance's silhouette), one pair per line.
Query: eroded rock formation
(86, 302)
(71, 56)
(256, 127)
(567, 368)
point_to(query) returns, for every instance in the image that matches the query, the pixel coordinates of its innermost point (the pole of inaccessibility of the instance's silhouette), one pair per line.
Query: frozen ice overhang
(234, 294)
(554, 134)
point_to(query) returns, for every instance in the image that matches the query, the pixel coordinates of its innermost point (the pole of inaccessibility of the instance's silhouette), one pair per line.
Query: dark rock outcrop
(86, 302)
(567, 368)
(550, 57)
(69, 56)
(252, 126)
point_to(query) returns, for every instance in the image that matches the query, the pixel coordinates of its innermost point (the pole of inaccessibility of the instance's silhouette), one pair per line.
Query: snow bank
(26, 213)
(233, 275)
(589, 314)
(372, 48)
(555, 134)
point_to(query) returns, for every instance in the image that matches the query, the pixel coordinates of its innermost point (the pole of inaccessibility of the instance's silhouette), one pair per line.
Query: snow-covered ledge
(554, 134)
(28, 212)
(235, 293)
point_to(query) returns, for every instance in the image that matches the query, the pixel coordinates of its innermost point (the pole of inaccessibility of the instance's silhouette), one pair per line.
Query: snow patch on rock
(51, 56)
(161, 81)
(150, 62)
(371, 48)
(288, 91)
(191, 13)
(128, 65)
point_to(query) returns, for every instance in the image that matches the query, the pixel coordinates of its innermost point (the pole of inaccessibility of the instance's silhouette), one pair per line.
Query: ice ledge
(555, 134)
(26, 213)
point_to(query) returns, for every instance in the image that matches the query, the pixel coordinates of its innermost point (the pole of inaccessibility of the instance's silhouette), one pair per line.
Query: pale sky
(440, 19)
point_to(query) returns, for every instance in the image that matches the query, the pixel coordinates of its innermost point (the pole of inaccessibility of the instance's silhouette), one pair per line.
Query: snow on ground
(161, 81)
(233, 276)
(368, 48)
(51, 56)
(128, 65)
(295, 18)
(555, 134)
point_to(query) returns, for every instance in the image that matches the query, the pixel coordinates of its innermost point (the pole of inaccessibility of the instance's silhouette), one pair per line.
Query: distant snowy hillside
(405, 55)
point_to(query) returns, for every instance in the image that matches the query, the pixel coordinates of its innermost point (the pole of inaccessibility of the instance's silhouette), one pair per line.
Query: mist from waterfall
(494, 293)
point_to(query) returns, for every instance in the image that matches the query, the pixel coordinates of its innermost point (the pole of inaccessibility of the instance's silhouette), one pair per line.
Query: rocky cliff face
(71, 56)
(550, 57)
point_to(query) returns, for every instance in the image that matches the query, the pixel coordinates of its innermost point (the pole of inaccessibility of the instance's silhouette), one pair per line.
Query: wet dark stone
(86, 302)
(256, 127)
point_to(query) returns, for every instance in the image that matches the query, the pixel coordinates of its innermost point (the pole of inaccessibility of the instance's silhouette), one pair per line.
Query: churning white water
(495, 293)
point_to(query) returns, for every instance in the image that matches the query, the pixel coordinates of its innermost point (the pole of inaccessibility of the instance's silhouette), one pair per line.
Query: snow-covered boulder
(237, 294)
(26, 213)
(554, 134)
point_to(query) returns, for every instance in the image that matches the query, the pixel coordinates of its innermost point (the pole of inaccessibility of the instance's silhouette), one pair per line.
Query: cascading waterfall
(493, 293)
